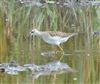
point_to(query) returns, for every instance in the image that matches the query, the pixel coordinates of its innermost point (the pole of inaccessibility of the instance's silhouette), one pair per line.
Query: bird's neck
(45, 36)
(39, 33)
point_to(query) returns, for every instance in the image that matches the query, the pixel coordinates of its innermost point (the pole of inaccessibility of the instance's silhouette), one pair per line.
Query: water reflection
(48, 54)
(51, 53)
(55, 67)
(30, 66)
(69, 4)
(11, 68)
(79, 59)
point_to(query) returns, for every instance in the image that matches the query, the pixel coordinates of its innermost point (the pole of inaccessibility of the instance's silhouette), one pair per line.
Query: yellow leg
(54, 79)
(62, 51)
(61, 48)
(61, 57)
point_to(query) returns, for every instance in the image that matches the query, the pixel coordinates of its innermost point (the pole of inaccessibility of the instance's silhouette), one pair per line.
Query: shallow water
(24, 60)
(78, 55)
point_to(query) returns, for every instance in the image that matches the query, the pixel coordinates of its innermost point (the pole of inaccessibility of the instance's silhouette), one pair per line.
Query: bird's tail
(73, 34)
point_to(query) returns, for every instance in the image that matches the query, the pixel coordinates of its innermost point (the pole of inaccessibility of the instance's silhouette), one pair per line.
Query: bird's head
(34, 32)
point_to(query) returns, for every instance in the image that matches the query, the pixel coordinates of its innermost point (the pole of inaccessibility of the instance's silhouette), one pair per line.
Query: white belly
(55, 40)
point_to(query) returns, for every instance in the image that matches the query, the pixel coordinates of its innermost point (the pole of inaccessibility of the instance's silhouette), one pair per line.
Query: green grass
(16, 21)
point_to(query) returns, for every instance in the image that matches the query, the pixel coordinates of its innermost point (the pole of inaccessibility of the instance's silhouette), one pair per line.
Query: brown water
(80, 53)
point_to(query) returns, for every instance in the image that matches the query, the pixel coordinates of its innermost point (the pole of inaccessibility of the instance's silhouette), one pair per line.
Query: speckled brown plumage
(58, 33)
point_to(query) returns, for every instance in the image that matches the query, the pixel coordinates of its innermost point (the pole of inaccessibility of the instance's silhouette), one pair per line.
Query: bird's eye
(32, 32)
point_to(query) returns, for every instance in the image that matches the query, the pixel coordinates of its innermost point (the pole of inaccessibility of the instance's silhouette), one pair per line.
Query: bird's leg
(61, 57)
(60, 48)
(62, 52)
(54, 79)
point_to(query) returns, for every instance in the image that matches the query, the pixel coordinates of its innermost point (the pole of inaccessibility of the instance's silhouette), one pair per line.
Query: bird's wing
(61, 34)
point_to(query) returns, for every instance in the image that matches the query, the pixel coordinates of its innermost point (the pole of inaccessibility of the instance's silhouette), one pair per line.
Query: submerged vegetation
(19, 17)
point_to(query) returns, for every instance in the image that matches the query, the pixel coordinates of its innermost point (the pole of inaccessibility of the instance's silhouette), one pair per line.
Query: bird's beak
(29, 36)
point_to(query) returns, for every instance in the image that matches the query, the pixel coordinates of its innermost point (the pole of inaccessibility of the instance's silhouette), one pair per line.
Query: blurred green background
(83, 50)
